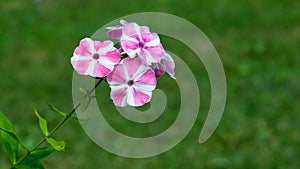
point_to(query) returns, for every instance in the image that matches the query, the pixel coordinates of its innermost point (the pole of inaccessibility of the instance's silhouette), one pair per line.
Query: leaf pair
(57, 145)
(11, 142)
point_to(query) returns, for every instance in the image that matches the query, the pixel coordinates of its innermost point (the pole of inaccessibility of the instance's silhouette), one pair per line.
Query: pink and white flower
(131, 83)
(95, 58)
(139, 41)
(165, 65)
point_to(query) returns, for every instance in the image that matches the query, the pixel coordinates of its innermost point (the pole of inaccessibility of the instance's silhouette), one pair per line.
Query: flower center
(141, 44)
(130, 82)
(96, 56)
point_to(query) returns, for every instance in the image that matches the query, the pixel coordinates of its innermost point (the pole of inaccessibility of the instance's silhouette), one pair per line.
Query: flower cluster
(131, 70)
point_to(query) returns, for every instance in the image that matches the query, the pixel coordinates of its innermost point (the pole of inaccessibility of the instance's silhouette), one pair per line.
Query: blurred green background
(258, 43)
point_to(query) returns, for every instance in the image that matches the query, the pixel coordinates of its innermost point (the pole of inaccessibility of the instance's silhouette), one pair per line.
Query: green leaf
(57, 111)
(36, 165)
(42, 123)
(25, 167)
(6, 124)
(57, 145)
(36, 155)
(10, 143)
(12, 134)
(15, 137)
(85, 103)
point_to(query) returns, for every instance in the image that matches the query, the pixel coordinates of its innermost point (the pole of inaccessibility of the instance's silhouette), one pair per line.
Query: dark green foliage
(34, 165)
(8, 135)
(36, 155)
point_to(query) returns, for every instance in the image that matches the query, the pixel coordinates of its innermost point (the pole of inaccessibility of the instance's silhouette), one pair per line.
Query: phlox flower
(131, 83)
(138, 41)
(95, 58)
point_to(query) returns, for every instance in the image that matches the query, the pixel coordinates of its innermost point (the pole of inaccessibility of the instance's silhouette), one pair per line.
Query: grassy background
(259, 45)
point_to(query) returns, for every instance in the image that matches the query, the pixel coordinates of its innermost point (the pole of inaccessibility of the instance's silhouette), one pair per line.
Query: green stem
(57, 126)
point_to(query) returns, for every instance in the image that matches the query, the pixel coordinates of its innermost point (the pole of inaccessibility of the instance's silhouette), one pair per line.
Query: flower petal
(101, 70)
(132, 30)
(151, 55)
(117, 76)
(119, 95)
(85, 47)
(123, 22)
(159, 69)
(114, 32)
(103, 47)
(146, 81)
(91, 69)
(157, 52)
(144, 29)
(130, 47)
(151, 39)
(136, 97)
(132, 65)
(112, 57)
(81, 65)
(169, 65)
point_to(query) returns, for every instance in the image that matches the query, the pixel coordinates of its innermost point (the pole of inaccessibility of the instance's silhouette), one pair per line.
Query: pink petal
(169, 65)
(147, 78)
(156, 53)
(146, 57)
(81, 66)
(131, 30)
(84, 47)
(159, 69)
(140, 97)
(132, 64)
(159, 72)
(123, 22)
(115, 33)
(151, 39)
(102, 45)
(129, 45)
(144, 30)
(101, 71)
(118, 95)
(113, 56)
(117, 76)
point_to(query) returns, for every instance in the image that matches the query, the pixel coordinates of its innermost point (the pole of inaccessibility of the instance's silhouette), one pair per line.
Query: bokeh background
(258, 43)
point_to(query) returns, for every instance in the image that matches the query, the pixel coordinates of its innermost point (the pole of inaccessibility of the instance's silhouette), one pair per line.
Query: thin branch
(57, 126)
